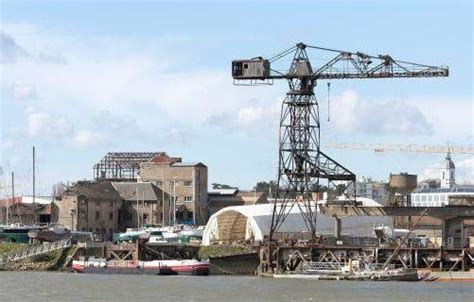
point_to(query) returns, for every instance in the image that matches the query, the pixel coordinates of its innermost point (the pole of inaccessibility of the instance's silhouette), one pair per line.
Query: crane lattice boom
(341, 65)
(405, 148)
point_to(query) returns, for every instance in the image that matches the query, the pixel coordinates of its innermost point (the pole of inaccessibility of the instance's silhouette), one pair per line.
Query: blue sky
(80, 79)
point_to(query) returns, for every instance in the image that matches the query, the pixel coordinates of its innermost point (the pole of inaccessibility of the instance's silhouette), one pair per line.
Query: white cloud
(23, 91)
(465, 171)
(85, 138)
(48, 127)
(44, 125)
(10, 51)
(352, 115)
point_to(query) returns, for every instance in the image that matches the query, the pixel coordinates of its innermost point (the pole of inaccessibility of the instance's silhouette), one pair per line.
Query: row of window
(185, 183)
(429, 197)
(186, 198)
(428, 204)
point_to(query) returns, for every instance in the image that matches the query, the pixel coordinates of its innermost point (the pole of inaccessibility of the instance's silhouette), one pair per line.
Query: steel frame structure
(301, 162)
(122, 165)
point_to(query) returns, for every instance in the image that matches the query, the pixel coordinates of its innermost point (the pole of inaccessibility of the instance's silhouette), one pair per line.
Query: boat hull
(186, 267)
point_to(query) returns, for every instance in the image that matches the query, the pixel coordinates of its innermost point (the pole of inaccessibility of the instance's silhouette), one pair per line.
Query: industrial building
(91, 206)
(219, 199)
(185, 184)
(142, 204)
(23, 210)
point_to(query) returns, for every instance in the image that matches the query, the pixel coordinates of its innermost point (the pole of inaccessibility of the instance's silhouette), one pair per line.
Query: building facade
(441, 197)
(92, 207)
(142, 204)
(376, 190)
(448, 171)
(184, 186)
(219, 199)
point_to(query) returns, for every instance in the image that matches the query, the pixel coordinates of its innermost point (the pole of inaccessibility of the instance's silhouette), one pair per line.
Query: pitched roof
(146, 191)
(94, 190)
(188, 164)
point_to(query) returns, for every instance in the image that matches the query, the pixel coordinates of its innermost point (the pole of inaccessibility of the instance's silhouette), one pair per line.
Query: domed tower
(447, 173)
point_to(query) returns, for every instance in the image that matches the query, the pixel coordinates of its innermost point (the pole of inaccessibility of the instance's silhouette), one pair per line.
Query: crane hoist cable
(329, 111)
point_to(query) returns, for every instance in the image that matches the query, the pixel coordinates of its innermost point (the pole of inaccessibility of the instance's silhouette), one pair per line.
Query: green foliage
(223, 250)
(7, 247)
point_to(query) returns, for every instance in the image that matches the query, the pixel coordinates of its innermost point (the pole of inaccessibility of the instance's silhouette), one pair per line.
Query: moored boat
(154, 267)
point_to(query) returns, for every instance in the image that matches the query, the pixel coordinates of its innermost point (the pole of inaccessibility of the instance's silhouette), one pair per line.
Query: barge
(154, 267)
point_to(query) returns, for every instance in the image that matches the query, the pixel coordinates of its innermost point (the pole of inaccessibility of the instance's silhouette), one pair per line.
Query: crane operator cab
(253, 69)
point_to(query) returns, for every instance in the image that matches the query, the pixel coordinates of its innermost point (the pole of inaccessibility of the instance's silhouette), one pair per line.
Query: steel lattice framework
(302, 165)
(122, 165)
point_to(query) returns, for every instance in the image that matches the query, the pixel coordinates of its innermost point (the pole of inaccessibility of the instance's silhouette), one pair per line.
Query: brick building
(142, 204)
(184, 185)
(91, 206)
(220, 199)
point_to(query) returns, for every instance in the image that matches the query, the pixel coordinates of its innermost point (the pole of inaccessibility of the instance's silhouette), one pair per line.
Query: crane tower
(302, 164)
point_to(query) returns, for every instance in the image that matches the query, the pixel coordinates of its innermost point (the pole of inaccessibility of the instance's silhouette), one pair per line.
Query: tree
(217, 186)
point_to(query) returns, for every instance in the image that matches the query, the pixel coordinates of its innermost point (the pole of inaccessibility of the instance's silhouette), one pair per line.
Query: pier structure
(454, 253)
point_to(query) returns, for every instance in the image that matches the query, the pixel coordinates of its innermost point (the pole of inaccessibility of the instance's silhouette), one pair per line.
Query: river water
(40, 286)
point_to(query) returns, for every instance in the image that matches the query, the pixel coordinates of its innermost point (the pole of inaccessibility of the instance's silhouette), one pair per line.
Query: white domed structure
(448, 173)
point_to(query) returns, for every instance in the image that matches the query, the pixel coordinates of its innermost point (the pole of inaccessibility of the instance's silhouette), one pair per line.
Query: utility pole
(138, 215)
(13, 195)
(34, 186)
(174, 201)
(163, 202)
(194, 196)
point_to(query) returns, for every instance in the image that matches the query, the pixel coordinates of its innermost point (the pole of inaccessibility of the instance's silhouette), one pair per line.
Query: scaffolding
(122, 165)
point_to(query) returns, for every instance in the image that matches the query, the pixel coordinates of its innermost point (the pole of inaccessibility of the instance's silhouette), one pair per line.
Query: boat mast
(34, 187)
(13, 195)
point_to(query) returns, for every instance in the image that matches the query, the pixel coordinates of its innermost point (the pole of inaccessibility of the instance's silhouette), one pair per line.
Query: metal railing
(36, 250)
(322, 266)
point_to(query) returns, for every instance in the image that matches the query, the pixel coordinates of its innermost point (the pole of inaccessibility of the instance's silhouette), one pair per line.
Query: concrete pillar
(337, 228)
(416, 258)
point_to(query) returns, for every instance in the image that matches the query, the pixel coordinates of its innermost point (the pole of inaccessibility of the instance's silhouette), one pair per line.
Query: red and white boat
(154, 267)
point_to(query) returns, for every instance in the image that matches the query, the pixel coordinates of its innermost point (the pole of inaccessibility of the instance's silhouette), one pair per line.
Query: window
(111, 203)
(430, 198)
(159, 183)
(188, 198)
(436, 198)
(97, 215)
(188, 183)
(97, 203)
(111, 216)
(423, 197)
(417, 198)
